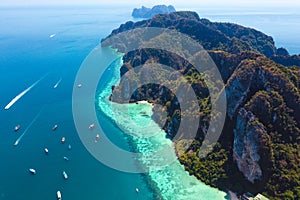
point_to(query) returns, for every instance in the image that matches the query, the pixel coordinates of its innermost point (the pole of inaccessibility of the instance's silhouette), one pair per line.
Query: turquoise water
(27, 53)
(171, 181)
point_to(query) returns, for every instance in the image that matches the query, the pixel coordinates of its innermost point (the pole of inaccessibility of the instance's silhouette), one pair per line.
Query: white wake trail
(58, 82)
(14, 100)
(27, 128)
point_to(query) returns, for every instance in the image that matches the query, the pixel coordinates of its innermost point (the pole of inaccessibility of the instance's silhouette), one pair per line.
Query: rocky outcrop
(246, 145)
(144, 12)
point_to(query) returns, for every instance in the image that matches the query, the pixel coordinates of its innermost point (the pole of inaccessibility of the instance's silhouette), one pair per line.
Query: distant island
(145, 12)
(258, 151)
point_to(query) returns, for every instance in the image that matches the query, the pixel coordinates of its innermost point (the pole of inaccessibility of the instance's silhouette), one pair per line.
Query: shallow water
(171, 180)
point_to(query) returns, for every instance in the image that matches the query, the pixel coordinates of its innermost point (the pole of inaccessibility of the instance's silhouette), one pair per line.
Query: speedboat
(32, 171)
(53, 35)
(79, 85)
(137, 190)
(17, 128)
(65, 175)
(63, 139)
(46, 150)
(16, 143)
(54, 127)
(58, 194)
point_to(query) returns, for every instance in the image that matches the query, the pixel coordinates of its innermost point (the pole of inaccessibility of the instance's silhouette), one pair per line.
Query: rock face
(144, 12)
(247, 135)
(258, 150)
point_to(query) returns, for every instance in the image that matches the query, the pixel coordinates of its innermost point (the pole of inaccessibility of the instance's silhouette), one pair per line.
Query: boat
(58, 194)
(97, 138)
(92, 126)
(66, 158)
(46, 150)
(79, 85)
(54, 127)
(137, 190)
(17, 128)
(69, 147)
(16, 143)
(53, 35)
(65, 175)
(63, 139)
(32, 171)
(56, 85)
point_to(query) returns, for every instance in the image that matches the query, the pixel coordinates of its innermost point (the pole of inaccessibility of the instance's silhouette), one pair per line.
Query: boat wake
(27, 128)
(57, 84)
(19, 96)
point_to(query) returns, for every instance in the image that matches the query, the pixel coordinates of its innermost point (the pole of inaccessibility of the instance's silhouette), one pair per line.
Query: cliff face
(248, 134)
(258, 150)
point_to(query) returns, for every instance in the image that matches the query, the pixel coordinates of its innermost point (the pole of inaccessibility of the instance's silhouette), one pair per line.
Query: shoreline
(172, 179)
(145, 102)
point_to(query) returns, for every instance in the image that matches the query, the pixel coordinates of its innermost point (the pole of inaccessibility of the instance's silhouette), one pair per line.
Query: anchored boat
(32, 171)
(58, 194)
(54, 127)
(65, 175)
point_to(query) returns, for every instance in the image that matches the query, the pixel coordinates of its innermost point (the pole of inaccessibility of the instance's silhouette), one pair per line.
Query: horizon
(176, 3)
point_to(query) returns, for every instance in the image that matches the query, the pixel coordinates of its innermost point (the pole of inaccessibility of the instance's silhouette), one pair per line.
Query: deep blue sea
(27, 53)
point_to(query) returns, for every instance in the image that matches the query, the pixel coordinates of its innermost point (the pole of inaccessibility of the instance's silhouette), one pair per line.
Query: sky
(176, 3)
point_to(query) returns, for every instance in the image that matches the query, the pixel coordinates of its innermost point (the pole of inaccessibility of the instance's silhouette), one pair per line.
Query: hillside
(258, 150)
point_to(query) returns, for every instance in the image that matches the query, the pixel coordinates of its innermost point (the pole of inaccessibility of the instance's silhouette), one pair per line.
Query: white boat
(79, 85)
(137, 190)
(53, 35)
(46, 150)
(97, 138)
(66, 158)
(58, 194)
(16, 143)
(32, 171)
(91, 126)
(17, 128)
(54, 127)
(56, 84)
(69, 147)
(63, 139)
(65, 175)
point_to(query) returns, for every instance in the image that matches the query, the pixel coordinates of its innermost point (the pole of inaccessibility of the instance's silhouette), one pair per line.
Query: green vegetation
(254, 83)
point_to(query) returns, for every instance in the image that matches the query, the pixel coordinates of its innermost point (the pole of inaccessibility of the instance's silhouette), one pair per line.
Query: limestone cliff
(246, 145)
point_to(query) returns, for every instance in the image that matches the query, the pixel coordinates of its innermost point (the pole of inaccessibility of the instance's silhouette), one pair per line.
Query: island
(145, 12)
(258, 151)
